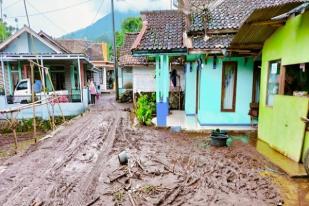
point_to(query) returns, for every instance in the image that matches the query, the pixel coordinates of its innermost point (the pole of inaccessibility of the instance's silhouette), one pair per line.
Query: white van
(22, 92)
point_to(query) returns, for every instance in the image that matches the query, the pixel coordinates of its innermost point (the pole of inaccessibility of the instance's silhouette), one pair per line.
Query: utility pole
(2, 33)
(115, 51)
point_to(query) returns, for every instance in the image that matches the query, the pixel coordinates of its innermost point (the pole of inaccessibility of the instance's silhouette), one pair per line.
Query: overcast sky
(58, 17)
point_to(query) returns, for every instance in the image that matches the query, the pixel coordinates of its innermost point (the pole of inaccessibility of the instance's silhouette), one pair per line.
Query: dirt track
(79, 166)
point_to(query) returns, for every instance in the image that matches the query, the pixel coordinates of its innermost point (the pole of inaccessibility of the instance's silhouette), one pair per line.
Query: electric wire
(51, 11)
(49, 19)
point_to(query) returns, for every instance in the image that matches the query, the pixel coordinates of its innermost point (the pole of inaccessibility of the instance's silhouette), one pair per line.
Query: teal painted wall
(24, 44)
(190, 89)
(210, 93)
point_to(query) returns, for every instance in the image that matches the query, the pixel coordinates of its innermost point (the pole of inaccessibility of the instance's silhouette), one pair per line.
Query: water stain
(295, 191)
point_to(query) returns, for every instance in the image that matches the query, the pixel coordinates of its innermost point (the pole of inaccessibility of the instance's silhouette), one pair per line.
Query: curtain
(229, 82)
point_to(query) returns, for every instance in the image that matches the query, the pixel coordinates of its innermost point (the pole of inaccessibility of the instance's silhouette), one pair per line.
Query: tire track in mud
(34, 177)
(88, 185)
(31, 176)
(49, 178)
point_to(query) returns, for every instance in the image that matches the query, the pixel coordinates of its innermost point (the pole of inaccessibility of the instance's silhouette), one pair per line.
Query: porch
(66, 74)
(178, 118)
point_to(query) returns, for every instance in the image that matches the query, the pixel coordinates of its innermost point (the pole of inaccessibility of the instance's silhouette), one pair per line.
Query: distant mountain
(101, 30)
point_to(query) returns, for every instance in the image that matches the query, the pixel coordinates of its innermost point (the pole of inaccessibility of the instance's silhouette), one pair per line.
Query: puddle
(295, 191)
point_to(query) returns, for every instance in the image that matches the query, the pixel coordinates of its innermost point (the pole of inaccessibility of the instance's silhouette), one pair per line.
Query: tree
(5, 31)
(131, 24)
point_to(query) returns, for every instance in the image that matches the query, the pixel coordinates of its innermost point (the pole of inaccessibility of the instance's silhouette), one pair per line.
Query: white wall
(144, 78)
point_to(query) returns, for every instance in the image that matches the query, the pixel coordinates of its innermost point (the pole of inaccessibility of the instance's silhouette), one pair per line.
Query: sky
(59, 17)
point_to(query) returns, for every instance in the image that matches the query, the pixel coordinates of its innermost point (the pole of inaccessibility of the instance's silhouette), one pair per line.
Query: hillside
(101, 30)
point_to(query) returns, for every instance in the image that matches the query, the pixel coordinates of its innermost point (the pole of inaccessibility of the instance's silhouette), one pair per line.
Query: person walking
(93, 92)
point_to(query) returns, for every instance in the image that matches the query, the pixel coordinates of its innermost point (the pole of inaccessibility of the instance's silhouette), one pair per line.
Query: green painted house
(221, 61)
(285, 86)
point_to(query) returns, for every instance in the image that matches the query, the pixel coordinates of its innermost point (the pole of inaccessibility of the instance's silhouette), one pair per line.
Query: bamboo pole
(33, 100)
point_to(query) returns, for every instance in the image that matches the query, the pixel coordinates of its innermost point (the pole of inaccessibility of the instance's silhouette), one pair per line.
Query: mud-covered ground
(79, 166)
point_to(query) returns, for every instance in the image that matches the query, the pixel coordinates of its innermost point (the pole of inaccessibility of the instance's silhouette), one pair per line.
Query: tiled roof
(213, 42)
(230, 14)
(93, 50)
(126, 58)
(162, 32)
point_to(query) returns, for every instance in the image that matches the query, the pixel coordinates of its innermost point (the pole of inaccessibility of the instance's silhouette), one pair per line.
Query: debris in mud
(123, 157)
(79, 166)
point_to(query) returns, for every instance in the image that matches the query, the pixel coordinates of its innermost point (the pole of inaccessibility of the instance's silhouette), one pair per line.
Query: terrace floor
(178, 118)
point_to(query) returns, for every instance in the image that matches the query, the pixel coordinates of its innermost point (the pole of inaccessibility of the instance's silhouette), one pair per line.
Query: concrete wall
(144, 78)
(190, 89)
(209, 112)
(24, 44)
(68, 109)
(289, 43)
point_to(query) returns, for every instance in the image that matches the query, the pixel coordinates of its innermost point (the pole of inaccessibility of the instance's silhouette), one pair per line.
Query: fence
(71, 105)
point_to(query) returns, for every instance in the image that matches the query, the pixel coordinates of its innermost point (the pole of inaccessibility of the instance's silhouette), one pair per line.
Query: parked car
(23, 92)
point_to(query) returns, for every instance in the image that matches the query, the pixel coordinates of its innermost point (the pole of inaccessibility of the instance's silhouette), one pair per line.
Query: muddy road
(79, 166)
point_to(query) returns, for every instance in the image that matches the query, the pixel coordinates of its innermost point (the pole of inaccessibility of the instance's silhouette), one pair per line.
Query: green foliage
(26, 125)
(146, 106)
(5, 30)
(131, 24)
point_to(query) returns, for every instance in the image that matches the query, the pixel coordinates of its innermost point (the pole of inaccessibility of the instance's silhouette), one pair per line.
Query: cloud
(140, 5)
(81, 15)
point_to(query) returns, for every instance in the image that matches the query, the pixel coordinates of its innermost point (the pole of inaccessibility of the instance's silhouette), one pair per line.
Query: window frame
(279, 82)
(235, 66)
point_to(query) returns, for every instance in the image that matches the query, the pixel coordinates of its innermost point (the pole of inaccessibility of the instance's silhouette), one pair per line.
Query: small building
(138, 73)
(98, 55)
(221, 73)
(285, 86)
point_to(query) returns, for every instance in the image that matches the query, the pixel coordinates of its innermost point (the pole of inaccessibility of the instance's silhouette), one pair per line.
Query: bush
(145, 108)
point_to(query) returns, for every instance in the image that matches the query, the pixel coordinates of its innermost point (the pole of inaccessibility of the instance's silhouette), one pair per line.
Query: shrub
(145, 108)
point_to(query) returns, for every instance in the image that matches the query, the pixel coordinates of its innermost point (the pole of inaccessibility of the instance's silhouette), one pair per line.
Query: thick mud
(79, 166)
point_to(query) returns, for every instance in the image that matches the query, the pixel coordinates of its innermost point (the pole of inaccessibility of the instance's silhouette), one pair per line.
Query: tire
(306, 161)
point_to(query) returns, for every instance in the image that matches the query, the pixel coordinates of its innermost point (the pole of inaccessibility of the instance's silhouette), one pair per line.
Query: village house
(221, 70)
(284, 99)
(138, 74)
(69, 69)
(98, 56)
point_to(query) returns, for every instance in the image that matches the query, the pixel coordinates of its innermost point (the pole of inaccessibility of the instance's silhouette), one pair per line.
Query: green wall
(289, 43)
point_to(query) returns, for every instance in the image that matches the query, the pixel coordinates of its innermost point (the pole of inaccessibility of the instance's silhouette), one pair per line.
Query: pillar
(162, 89)
(104, 79)
(11, 87)
(72, 72)
(19, 71)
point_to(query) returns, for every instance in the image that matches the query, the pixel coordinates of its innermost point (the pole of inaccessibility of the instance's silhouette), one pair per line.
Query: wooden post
(282, 80)
(33, 100)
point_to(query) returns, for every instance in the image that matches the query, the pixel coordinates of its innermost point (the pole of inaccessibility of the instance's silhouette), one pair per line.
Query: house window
(273, 81)
(229, 81)
(296, 80)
